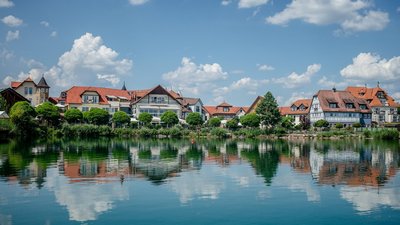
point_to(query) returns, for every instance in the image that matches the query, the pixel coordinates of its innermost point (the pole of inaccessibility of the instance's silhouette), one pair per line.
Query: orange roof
(15, 84)
(287, 110)
(326, 97)
(137, 95)
(370, 94)
(284, 110)
(74, 94)
(219, 109)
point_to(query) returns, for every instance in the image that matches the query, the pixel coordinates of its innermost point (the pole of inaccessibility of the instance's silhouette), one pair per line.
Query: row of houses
(353, 105)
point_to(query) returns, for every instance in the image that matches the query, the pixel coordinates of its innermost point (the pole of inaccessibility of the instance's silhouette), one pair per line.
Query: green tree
(48, 113)
(73, 115)
(357, 125)
(85, 116)
(145, 118)
(339, 125)
(287, 122)
(321, 123)
(22, 116)
(250, 120)
(120, 118)
(233, 123)
(268, 110)
(194, 119)
(214, 122)
(170, 118)
(98, 116)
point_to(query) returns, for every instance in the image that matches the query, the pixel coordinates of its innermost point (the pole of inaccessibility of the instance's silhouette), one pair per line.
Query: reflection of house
(384, 108)
(225, 110)
(339, 107)
(35, 93)
(299, 110)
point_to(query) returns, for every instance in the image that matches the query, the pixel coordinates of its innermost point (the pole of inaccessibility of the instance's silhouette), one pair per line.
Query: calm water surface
(205, 182)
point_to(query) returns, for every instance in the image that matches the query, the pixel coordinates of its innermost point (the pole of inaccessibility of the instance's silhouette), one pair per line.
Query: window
(226, 109)
(197, 108)
(91, 99)
(85, 109)
(380, 94)
(159, 99)
(350, 105)
(332, 105)
(26, 90)
(30, 90)
(363, 106)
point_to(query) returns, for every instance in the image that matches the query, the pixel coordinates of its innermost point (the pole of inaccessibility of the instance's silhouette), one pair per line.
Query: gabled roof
(305, 102)
(219, 110)
(254, 105)
(338, 97)
(287, 110)
(42, 83)
(12, 96)
(74, 94)
(370, 94)
(189, 101)
(15, 84)
(138, 95)
(224, 104)
(284, 110)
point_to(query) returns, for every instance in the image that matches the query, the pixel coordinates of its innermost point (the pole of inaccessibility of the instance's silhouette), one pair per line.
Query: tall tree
(268, 111)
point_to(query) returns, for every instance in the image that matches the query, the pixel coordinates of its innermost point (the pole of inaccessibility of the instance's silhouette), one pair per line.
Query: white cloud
(251, 3)
(295, 80)
(84, 62)
(265, 67)
(45, 23)
(53, 34)
(325, 82)
(6, 55)
(226, 2)
(245, 83)
(6, 3)
(368, 66)
(12, 21)
(138, 2)
(296, 96)
(350, 15)
(12, 35)
(193, 78)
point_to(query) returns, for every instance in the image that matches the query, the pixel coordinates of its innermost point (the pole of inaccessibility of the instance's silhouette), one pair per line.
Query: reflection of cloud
(209, 182)
(296, 182)
(366, 199)
(5, 219)
(84, 202)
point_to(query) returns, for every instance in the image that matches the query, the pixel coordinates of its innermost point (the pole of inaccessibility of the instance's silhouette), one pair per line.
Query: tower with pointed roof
(123, 87)
(42, 89)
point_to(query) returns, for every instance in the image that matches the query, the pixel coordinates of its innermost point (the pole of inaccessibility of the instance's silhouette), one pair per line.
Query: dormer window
(363, 106)
(226, 109)
(302, 108)
(91, 99)
(380, 94)
(350, 105)
(333, 105)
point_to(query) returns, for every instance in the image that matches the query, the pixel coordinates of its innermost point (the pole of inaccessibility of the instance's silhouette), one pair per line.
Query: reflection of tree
(265, 164)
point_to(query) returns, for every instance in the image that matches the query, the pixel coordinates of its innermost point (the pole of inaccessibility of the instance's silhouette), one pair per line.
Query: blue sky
(232, 50)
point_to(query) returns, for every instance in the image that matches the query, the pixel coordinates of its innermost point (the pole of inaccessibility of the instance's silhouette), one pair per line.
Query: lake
(113, 181)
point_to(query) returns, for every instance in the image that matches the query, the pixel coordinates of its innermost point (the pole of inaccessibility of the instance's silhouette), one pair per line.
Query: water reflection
(83, 174)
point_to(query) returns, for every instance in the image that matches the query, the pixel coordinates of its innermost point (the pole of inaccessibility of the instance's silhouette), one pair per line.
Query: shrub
(219, 132)
(21, 115)
(386, 134)
(356, 125)
(120, 118)
(48, 112)
(250, 120)
(338, 125)
(233, 124)
(73, 115)
(214, 122)
(367, 133)
(321, 123)
(147, 132)
(194, 119)
(145, 118)
(169, 118)
(98, 116)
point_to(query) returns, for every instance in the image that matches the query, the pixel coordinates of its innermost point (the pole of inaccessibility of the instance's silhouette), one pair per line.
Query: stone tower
(42, 90)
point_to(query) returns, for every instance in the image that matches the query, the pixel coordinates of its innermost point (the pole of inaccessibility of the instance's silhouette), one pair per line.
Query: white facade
(156, 105)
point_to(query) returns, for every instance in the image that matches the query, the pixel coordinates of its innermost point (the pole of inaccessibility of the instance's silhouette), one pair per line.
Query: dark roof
(42, 83)
(123, 87)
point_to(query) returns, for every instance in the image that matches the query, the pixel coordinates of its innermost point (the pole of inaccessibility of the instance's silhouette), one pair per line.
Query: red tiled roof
(284, 110)
(74, 94)
(139, 94)
(340, 97)
(224, 104)
(370, 94)
(15, 84)
(287, 110)
(219, 110)
(189, 101)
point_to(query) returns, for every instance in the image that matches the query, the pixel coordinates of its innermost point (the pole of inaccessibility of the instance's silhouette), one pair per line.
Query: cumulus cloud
(193, 78)
(265, 67)
(12, 21)
(6, 3)
(226, 2)
(89, 61)
(351, 16)
(325, 82)
(53, 34)
(12, 35)
(368, 66)
(295, 80)
(6, 55)
(246, 83)
(138, 2)
(251, 3)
